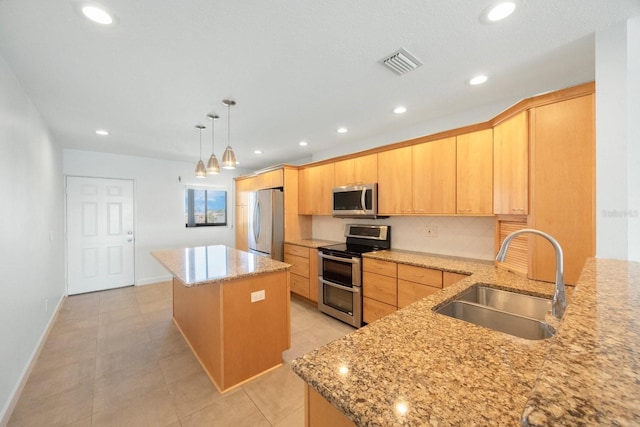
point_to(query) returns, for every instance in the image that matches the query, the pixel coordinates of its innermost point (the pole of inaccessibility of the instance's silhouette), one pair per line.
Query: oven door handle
(339, 259)
(355, 289)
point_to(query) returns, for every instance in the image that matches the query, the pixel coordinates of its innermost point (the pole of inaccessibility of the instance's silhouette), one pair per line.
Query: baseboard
(5, 415)
(153, 280)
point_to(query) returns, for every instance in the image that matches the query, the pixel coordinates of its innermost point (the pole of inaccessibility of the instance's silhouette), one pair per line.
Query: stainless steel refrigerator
(266, 223)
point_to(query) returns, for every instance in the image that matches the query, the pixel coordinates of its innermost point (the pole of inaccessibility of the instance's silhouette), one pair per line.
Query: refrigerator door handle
(256, 221)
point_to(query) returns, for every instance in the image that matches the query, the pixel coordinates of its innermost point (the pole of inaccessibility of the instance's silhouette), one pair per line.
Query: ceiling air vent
(401, 62)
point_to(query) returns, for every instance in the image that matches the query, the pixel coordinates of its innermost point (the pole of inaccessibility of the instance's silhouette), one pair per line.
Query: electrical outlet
(257, 296)
(432, 231)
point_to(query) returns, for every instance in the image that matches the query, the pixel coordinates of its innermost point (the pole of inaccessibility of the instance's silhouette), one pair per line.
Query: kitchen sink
(512, 324)
(511, 302)
(509, 312)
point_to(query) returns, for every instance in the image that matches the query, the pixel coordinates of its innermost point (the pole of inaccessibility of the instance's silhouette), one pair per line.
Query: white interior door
(100, 235)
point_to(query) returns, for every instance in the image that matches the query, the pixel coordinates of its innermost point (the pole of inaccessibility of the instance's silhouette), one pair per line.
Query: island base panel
(320, 413)
(233, 338)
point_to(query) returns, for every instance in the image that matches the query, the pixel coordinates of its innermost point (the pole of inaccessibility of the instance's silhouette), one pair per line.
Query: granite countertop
(312, 243)
(416, 367)
(212, 264)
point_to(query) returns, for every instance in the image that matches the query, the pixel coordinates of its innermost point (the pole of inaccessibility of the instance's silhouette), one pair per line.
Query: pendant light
(213, 168)
(201, 172)
(229, 157)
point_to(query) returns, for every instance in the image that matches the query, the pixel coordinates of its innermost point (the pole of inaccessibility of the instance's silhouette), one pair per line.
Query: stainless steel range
(340, 271)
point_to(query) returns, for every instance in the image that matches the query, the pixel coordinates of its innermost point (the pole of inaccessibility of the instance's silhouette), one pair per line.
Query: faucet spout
(559, 303)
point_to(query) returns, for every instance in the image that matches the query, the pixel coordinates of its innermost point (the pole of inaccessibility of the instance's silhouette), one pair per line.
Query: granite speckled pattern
(213, 264)
(592, 372)
(419, 368)
(312, 243)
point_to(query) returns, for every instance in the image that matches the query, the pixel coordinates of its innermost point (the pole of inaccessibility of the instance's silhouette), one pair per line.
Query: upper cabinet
(358, 170)
(474, 175)
(563, 185)
(434, 177)
(394, 182)
(315, 188)
(510, 166)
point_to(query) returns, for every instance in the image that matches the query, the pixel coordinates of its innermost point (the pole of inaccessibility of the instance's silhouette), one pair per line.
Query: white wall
(31, 232)
(617, 141)
(159, 200)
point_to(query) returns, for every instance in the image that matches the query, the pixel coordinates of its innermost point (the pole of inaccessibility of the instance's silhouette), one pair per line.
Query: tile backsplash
(468, 237)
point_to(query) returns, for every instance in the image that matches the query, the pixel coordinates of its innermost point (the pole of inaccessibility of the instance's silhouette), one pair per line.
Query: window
(205, 207)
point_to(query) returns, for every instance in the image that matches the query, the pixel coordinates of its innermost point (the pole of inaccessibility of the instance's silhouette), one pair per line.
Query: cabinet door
(394, 182)
(434, 177)
(563, 185)
(359, 170)
(410, 292)
(510, 166)
(474, 176)
(271, 179)
(315, 185)
(242, 228)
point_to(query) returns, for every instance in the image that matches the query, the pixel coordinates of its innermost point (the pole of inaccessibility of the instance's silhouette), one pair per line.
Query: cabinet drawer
(449, 278)
(300, 264)
(379, 287)
(296, 250)
(410, 292)
(300, 285)
(424, 276)
(381, 267)
(373, 310)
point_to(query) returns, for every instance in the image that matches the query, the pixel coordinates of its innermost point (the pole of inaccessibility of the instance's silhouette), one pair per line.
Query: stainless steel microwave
(355, 201)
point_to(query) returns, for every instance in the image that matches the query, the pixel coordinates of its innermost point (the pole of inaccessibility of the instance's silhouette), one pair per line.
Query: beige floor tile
(44, 382)
(193, 393)
(57, 409)
(150, 409)
(179, 366)
(295, 419)
(84, 422)
(170, 345)
(162, 329)
(123, 342)
(154, 319)
(117, 328)
(231, 409)
(73, 325)
(277, 393)
(118, 388)
(108, 317)
(70, 344)
(132, 357)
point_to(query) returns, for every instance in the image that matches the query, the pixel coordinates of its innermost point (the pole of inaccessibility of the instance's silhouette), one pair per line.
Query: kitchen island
(416, 367)
(232, 307)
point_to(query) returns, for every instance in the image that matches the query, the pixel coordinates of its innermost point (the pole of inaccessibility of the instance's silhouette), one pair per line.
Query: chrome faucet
(559, 300)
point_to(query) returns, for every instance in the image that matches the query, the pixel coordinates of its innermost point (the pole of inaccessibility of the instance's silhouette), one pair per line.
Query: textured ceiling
(298, 69)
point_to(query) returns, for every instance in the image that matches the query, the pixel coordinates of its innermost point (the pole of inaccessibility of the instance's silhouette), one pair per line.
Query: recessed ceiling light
(343, 130)
(478, 80)
(97, 14)
(302, 143)
(102, 132)
(498, 11)
(400, 109)
(257, 152)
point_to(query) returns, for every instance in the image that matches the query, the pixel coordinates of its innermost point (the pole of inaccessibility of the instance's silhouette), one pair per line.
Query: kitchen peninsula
(417, 367)
(233, 309)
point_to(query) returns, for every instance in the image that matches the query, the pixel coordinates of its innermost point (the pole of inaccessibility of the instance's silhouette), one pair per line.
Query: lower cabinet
(320, 413)
(388, 286)
(304, 270)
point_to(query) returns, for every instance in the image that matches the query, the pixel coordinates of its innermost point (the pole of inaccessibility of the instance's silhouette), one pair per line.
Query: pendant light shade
(201, 172)
(229, 157)
(213, 168)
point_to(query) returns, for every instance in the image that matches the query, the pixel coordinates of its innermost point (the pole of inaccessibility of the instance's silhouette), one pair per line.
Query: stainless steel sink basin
(511, 302)
(520, 326)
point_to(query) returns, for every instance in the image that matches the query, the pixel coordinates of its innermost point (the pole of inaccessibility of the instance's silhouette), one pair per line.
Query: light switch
(257, 296)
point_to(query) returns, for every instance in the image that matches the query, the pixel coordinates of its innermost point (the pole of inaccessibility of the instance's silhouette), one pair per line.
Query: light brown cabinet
(510, 166)
(449, 278)
(433, 166)
(394, 182)
(304, 270)
(379, 289)
(474, 173)
(242, 213)
(314, 189)
(415, 283)
(563, 185)
(358, 170)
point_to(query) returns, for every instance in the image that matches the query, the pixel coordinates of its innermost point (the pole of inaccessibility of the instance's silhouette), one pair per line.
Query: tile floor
(114, 358)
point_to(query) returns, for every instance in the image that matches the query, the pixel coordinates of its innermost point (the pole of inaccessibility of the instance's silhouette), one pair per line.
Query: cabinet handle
(464, 210)
(419, 210)
(518, 209)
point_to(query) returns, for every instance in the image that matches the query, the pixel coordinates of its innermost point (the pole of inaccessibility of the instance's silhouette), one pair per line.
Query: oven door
(342, 270)
(342, 302)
